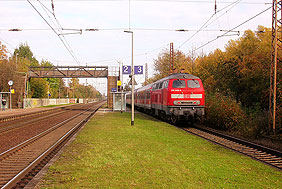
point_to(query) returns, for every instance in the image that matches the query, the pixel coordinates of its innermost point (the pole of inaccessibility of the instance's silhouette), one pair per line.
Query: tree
(7, 69)
(25, 58)
(162, 65)
(56, 85)
(39, 88)
(3, 52)
(25, 52)
(242, 70)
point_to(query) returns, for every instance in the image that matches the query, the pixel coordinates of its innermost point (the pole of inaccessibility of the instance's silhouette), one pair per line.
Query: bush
(224, 113)
(256, 125)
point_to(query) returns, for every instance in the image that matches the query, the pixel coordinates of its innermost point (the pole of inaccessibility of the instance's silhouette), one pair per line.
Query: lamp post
(132, 80)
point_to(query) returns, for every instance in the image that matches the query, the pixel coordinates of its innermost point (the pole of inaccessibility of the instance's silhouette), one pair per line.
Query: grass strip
(50, 106)
(109, 153)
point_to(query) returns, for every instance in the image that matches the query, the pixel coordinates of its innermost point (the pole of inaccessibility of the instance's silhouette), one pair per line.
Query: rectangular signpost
(126, 69)
(137, 70)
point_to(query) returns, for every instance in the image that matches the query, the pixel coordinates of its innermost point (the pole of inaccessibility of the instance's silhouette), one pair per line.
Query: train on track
(176, 97)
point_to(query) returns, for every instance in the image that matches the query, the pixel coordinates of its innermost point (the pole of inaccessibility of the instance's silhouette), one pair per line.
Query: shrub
(224, 112)
(256, 125)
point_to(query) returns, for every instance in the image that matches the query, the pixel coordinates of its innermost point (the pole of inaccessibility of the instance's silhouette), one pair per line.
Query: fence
(36, 102)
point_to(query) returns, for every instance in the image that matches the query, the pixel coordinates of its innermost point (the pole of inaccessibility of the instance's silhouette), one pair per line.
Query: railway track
(15, 122)
(266, 155)
(28, 115)
(21, 163)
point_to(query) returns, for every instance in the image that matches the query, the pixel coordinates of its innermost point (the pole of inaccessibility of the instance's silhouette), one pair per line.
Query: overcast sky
(153, 22)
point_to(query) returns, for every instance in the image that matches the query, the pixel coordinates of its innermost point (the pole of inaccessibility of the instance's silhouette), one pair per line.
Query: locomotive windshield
(193, 84)
(178, 84)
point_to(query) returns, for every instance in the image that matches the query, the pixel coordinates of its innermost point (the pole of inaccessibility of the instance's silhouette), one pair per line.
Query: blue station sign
(113, 90)
(137, 70)
(126, 69)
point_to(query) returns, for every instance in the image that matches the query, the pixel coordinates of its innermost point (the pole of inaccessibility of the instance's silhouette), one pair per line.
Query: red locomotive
(176, 97)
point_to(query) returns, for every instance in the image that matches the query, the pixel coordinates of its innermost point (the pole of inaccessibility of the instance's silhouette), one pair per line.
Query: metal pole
(132, 81)
(275, 71)
(10, 98)
(121, 89)
(25, 93)
(132, 85)
(48, 91)
(16, 61)
(1, 101)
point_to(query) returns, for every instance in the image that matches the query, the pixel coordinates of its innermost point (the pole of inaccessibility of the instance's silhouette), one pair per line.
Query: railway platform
(26, 111)
(15, 112)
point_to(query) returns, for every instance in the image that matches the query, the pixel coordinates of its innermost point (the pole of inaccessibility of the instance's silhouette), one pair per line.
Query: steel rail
(8, 128)
(242, 141)
(260, 153)
(33, 164)
(23, 144)
(30, 114)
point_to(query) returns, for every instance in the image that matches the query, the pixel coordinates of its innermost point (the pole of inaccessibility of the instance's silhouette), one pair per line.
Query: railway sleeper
(262, 155)
(273, 161)
(280, 164)
(6, 176)
(269, 159)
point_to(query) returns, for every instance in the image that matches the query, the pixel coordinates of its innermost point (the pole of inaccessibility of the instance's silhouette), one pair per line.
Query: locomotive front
(186, 98)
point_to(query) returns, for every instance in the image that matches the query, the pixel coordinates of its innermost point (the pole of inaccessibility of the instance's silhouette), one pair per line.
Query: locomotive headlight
(177, 102)
(196, 102)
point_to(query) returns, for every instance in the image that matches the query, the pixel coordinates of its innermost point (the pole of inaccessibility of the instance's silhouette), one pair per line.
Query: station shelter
(119, 101)
(6, 96)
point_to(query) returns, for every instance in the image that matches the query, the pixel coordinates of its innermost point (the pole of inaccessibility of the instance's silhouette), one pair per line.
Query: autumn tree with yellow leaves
(236, 81)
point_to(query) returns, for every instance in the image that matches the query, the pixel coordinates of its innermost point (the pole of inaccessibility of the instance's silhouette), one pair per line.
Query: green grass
(109, 153)
(50, 106)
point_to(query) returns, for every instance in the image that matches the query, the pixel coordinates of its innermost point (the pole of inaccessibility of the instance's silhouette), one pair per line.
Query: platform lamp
(132, 80)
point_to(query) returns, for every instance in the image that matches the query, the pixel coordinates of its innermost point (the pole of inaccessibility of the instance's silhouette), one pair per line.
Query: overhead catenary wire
(112, 29)
(59, 26)
(160, 29)
(64, 43)
(236, 3)
(45, 10)
(204, 25)
(231, 30)
(173, 1)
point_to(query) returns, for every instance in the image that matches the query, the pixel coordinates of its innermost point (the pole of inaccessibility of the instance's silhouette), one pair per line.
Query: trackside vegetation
(16, 67)
(236, 81)
(109, 153)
